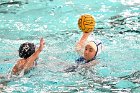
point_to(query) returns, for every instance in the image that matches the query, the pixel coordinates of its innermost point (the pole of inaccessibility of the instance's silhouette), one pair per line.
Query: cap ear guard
(99, 46)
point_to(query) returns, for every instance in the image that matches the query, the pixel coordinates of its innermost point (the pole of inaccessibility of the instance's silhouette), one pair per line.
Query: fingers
(42, 42)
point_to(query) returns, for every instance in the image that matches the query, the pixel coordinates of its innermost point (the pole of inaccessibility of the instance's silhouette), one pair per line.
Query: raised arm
(34, 56)
(81, 43)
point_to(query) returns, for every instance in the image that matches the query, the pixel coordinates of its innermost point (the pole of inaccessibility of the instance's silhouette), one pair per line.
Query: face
(89, 52)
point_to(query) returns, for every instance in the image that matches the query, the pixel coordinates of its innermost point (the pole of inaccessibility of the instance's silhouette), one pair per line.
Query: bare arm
(81, 43)
(34, 56)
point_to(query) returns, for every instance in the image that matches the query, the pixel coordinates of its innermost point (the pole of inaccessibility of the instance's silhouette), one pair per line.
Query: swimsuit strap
(35, 62)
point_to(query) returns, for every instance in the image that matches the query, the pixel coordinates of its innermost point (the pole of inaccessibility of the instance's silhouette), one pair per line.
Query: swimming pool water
(117, 26)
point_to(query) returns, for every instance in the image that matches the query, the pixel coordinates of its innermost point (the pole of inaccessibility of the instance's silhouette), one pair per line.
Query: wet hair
(26, 50)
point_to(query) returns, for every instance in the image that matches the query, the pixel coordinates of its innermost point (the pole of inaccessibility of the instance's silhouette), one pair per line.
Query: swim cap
(26, 50)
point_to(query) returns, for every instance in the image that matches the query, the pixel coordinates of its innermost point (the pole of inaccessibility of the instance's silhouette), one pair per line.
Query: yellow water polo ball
(86, 23)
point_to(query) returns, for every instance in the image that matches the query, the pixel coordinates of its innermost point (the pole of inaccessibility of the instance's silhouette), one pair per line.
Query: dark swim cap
(26, 50)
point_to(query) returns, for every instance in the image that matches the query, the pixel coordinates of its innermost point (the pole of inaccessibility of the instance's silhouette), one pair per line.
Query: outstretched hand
(42, 43)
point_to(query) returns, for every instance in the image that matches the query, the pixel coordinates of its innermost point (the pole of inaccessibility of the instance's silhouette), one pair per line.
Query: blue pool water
(117, 25)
